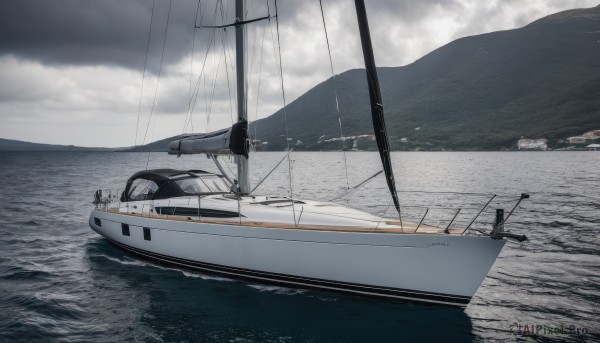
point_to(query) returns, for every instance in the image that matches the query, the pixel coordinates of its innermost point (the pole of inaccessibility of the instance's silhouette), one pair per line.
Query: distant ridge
(15, 145)
(158, 146)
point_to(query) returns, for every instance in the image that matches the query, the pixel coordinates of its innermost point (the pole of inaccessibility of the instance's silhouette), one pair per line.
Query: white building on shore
(584, 138)
(532, 144)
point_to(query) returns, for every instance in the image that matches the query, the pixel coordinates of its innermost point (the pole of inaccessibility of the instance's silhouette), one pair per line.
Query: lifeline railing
(437, 212)
(480, 212)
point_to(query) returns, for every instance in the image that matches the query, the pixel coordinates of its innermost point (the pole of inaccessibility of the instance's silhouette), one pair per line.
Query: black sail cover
(375, 97)
(239, 142)
(227, 141)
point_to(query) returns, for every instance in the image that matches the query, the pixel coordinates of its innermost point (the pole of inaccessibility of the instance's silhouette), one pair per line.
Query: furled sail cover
(376, 104)
(227, 141)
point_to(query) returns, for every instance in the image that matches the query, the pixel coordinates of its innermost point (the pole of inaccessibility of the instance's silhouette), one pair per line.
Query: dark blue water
(60, 281)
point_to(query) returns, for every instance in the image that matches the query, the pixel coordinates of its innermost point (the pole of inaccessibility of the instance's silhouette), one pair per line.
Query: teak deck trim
(407, 227)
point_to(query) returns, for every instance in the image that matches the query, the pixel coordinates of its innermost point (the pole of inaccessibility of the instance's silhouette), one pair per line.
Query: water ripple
(59, 281)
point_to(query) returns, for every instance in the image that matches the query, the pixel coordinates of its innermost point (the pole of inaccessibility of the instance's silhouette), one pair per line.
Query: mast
(242, 161)
(381, 137)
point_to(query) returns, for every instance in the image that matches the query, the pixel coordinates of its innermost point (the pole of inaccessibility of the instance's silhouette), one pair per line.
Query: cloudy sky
(72, 71)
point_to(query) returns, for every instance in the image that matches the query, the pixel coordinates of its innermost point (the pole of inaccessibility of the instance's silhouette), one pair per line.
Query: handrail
(446, 219)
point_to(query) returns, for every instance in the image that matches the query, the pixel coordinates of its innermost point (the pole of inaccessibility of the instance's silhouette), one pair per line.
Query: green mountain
(477, 93)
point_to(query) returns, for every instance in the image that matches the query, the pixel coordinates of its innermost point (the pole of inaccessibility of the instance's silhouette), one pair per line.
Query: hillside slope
(479, 92)
(15, 145)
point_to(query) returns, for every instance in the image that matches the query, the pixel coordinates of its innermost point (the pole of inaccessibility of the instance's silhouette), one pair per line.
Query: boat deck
(384, 227)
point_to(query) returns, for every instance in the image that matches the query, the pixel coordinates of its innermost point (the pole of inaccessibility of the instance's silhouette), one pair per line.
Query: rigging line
(287, 135)
(253, 55)
(274, 45)
(206, 104)
(137, 125)
(230, 52)
(272, 170)
(192, 62)
(251, 65)
(201, 76)
(191, 105)
(357, 186)
(159, 71)
(337, 105)
(249, 56)
(151, 139)
(381, 218)
(224, 43)
(260, 69)
(224, 14)
(201, 13)
(259, 79)
(215, 158)
(189, 112)
(231, 171)
(209, 105)
(212, 95)
(158, 80)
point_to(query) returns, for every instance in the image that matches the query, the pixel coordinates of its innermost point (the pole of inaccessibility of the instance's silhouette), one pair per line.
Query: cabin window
(142, 189)
(205, 184)
(125, 229)
(147, 235)
(192, 186)
(97, 221)
(215, 184)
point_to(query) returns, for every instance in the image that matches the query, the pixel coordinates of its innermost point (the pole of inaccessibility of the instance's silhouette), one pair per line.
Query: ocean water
(60, 281)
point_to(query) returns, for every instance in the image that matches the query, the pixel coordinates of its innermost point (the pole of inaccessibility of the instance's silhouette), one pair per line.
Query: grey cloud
(114, 32)
(409, 11)
(108, 32)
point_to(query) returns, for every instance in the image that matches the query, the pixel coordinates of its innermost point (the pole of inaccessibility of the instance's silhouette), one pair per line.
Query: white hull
(437, 268)
(196, 219)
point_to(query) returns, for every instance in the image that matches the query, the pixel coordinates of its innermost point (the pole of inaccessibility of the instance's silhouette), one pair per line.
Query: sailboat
(216, 224)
